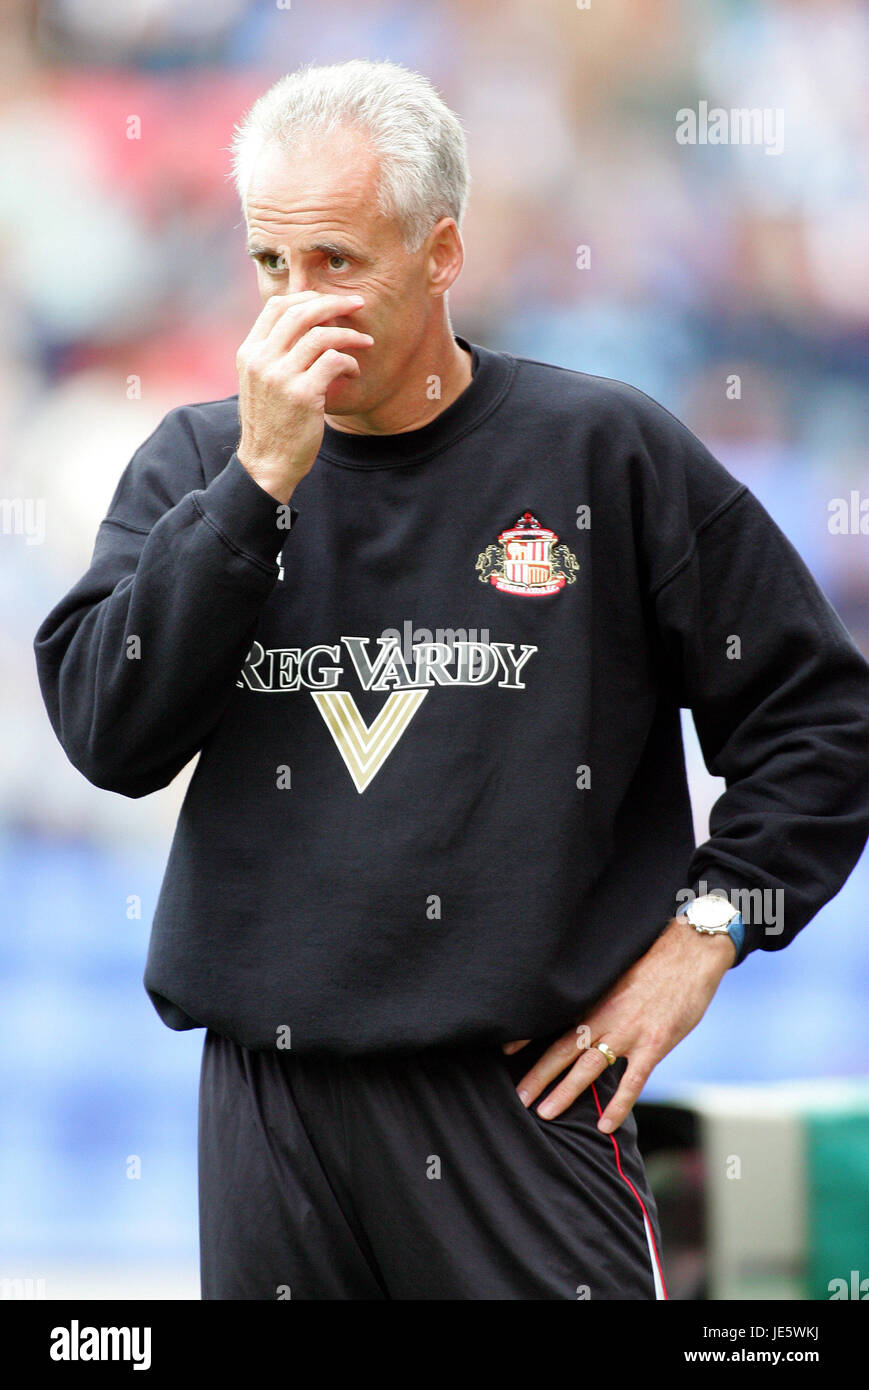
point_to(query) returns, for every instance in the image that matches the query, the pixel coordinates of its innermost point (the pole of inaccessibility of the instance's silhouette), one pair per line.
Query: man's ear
(445, 255)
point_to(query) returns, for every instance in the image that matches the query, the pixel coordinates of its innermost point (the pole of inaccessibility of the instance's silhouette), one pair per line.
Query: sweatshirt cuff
(247, 517)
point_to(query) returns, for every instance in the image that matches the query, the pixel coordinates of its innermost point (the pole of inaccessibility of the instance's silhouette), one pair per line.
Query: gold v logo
(365, 749)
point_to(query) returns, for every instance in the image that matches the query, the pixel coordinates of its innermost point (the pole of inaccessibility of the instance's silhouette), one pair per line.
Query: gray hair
(419, 141)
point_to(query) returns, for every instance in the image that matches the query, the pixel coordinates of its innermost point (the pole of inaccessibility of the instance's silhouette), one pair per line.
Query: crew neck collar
(492, 374)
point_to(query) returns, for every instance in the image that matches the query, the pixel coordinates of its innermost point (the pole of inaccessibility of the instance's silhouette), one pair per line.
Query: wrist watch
(713, 915)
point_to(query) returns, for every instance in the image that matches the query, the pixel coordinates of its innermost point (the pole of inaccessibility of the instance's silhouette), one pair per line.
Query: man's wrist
(271, 479)
(719, 946)
(727, 948)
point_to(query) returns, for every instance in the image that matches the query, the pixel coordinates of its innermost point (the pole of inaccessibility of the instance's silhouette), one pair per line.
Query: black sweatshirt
(441, 794)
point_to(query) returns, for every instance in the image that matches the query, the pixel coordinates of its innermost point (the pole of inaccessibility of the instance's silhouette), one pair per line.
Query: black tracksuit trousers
(414, 1176)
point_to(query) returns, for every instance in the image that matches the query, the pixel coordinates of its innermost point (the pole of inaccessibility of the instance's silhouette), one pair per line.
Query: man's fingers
(512, 1047)
(591, 1065)
(318, 340)
(551, 1063)
(274, 307)
(583, 1072)
(328, 367)
(639, 1069)
(282, 320)
(298, 318)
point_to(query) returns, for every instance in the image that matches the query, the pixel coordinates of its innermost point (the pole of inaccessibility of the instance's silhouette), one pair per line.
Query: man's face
(313, 224)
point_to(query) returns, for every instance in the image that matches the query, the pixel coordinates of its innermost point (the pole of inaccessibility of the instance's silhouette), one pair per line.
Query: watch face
(710, 912)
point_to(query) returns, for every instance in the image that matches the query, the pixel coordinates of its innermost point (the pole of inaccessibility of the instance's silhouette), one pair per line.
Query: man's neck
(414, 407)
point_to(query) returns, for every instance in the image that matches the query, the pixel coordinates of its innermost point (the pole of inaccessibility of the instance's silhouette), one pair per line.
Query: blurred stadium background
(124, 291)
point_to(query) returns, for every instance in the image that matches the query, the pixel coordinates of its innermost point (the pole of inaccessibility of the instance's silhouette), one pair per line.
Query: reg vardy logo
(405, 677)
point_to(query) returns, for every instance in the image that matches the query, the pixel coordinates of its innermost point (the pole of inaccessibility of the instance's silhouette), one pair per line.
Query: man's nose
(299, 279)
(300, 276)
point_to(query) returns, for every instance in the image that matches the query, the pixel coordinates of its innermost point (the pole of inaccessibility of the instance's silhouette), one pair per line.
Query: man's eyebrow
(329, 248)
(332, 248)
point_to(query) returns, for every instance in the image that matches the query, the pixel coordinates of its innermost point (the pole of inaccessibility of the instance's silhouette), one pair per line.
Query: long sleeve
(780, 699)
(138, 661)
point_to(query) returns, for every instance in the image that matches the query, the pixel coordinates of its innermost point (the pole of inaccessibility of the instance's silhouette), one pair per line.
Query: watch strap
(736, 932)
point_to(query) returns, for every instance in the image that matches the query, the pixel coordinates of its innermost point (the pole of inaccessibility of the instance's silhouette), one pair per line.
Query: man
(428, 613)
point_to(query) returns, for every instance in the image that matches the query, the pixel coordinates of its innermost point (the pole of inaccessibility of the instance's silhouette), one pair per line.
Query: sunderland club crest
(527, 561)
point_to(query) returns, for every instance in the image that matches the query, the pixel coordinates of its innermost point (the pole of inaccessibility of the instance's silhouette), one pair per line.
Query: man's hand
(645, 1014)
(286, 364)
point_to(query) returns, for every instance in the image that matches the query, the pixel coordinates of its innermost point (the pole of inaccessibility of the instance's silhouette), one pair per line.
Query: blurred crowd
(124, 289)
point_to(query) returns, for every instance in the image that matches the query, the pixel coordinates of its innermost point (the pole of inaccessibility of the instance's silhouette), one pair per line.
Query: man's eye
(343, 259)
(274, 269)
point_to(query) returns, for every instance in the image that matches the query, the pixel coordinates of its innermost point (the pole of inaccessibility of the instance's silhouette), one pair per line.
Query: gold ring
(607, 1052)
